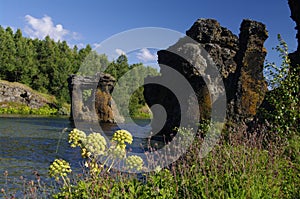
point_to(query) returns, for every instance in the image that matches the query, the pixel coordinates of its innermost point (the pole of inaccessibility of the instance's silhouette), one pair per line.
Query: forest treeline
(45, 65)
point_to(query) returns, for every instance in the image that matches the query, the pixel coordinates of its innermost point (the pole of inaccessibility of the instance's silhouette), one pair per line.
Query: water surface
(29, 144)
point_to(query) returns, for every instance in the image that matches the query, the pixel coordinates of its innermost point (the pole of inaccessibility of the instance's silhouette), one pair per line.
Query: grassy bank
(242, 166)
(22, 109)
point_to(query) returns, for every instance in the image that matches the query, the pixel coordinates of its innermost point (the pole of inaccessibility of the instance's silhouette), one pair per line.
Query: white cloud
(76, 36)
(146, 56)
(40, 28)
(120, 52)
(96, 45)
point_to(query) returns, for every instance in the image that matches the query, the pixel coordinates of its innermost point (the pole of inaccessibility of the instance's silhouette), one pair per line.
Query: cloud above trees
(41, 27)
(146, 56)
(120, 52)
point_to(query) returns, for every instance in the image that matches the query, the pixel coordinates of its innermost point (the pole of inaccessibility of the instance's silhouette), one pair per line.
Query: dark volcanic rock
(239, 61)
(295, 15)
(251, 86)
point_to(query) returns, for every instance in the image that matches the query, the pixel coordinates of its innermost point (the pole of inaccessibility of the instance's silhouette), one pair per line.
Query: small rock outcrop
(13, 92)
(91, 98)
(239, 61)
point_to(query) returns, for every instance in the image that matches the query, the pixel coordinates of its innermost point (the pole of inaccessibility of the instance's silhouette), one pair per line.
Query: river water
(29, 144)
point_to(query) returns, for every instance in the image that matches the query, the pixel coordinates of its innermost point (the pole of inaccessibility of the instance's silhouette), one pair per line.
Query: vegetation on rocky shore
(261, 164)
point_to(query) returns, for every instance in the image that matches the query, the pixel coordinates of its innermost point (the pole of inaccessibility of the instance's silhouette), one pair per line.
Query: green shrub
(283, 99)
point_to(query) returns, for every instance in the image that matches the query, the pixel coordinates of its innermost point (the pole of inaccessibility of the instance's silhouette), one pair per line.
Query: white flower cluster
(95, 144)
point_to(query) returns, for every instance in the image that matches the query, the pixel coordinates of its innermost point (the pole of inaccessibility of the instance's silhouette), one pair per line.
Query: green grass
(22, 109)
(231, 170)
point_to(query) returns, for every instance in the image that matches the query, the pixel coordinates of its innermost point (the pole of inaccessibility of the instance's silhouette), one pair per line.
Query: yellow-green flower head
(59, 168)
(94, 167)
(116, 151)
(77, 138)
(122, 136)
(95, 144)
(134, 162)
(85, 153)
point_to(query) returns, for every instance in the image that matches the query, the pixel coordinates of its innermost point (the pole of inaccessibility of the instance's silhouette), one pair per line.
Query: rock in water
(91, 98)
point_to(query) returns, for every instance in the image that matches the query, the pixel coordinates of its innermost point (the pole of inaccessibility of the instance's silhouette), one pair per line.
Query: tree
(93, 63)
(119, 67)
(46, 61)
(24, 59)
(7, 54)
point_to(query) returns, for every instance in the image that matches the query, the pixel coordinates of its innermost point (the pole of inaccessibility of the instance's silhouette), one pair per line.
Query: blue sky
(91, 22)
